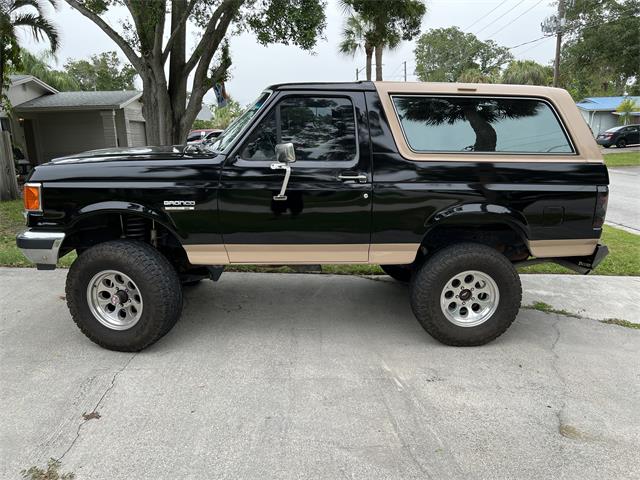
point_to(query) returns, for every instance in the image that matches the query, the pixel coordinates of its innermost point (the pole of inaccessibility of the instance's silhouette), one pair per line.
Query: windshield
(232, 131)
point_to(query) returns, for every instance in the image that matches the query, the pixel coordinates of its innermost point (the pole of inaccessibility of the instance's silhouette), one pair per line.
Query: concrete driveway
(624, 198)
(317, 376)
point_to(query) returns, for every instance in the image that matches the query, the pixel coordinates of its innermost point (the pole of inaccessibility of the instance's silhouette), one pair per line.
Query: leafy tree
(474, 75)
(625, 109)
(222, 116)
(443, 54)
(163, 63)
(16, 14)
(601, 55)
(387, 22)
(527, 72)
(101, 72)
(38, 66)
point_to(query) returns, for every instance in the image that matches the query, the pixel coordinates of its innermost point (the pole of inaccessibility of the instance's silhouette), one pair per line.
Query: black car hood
(131, 153)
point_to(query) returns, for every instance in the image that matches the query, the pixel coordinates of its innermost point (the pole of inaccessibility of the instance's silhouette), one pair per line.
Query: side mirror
(285, 153)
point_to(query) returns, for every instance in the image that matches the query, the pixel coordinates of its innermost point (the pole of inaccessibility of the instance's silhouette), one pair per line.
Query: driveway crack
(94, 413)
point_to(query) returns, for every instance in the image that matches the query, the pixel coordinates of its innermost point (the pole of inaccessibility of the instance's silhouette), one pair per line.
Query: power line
(530, 41)
(512, 21)
(498, 18)
(486, 14)
(522, 52)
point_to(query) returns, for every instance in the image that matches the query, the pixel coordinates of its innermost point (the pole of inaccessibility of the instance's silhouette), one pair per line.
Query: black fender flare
(478, 214)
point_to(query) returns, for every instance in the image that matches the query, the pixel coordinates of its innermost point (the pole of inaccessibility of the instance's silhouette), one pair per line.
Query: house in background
(47, 124)
(600, 112)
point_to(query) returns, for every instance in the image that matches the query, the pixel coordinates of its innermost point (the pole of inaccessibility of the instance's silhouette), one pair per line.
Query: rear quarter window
(480, 124)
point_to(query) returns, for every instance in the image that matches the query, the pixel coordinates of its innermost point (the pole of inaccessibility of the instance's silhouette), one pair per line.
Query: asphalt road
(624, 198)
(317, 376)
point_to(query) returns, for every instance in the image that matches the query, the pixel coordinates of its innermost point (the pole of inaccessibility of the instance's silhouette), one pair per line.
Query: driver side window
(320, 128)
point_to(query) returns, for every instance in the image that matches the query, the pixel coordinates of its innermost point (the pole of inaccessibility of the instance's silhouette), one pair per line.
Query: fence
(8, 181)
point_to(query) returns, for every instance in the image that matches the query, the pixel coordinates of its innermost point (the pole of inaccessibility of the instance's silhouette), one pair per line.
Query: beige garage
(47, 124)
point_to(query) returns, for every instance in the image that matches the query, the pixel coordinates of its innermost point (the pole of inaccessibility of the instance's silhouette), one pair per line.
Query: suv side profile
(449, 187)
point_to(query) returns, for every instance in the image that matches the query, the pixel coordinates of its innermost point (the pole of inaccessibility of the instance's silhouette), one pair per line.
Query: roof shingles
(80, 101)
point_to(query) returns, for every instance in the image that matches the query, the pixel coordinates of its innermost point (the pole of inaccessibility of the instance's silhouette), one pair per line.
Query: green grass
(11, 223)
(626, 159)
(623, 259)
(621, 323)
(546, 308)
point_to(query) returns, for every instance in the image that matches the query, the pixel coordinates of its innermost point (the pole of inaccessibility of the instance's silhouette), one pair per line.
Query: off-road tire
(429, 280)
(622, 143)
(401, 273)
(156, 279)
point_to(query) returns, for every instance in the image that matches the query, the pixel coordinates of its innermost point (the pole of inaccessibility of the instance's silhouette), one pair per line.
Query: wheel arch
(494, 225)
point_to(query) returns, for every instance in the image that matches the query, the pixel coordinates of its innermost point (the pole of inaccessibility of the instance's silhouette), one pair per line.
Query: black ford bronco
(449, 187)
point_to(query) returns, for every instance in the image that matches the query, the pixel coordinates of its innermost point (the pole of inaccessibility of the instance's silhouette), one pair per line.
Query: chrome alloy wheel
(114, 299)
(469, 298)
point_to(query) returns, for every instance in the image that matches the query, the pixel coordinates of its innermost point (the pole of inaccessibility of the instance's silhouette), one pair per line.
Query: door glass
(320, 128)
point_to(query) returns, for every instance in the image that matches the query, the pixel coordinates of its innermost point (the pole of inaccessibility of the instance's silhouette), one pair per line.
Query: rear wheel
(123, 295)
(467, 294)
(621, 143)
(401, 273)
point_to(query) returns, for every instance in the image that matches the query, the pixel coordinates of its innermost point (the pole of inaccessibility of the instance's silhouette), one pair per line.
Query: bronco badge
(179, 205)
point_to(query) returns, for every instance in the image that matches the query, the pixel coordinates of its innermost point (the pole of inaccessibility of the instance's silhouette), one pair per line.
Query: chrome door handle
(353, 177)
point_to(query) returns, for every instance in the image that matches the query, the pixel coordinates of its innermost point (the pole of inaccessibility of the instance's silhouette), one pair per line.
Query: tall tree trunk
(368, 50)
(177, 77)
(379, 49)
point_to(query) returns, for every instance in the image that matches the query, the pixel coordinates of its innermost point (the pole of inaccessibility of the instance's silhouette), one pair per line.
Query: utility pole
(559, 28)
(405, 70)
(357, 71)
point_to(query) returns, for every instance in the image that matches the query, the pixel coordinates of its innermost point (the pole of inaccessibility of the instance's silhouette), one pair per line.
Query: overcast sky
(510, 23)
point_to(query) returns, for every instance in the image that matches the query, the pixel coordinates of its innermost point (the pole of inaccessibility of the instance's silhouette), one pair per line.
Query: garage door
(138, 134)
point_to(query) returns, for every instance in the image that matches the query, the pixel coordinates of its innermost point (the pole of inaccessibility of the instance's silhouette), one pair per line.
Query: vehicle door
(633, 134)
(314, 208)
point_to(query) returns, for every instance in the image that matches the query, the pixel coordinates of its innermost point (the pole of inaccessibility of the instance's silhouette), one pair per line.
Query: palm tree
(626, 108)
(27, 14)
(356, 37)
(527, 72)
(38, 66)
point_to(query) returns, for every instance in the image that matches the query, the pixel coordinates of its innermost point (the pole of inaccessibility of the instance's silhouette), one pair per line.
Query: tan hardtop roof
(469, 88)
(580, 133)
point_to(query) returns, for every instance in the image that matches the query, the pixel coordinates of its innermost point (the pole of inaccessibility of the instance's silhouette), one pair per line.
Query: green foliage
(38, 66)
(297, 22)
(51, 473)
(390, 18)
(444, 54)
(601, 54)
(625, 109)
(222, 116)
(104, 71)
(527, 72)
(18, 15)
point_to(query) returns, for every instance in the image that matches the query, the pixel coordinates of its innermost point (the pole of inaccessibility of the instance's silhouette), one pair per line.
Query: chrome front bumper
(41, 247)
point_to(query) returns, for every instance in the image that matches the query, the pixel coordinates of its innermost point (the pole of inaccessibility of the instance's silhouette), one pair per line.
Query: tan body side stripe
(385, 253)
(562, 248)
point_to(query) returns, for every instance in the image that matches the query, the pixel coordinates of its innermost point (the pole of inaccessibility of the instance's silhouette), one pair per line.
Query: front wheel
(622, 143)
(465, 295)
(123, 295)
